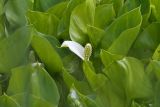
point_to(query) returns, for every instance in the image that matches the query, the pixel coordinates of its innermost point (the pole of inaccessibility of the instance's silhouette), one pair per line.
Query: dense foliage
(112, 59)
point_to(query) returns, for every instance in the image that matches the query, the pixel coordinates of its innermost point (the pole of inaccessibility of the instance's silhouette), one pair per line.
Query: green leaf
(44, 22)
(2, 26)
(107, 14)
(156, 55)
(128, 6)
(147, 42)
(2, 19)
(56, 45)
(6, 101)
(63, 28)
(137, 79)
(33, 79)
(31, 101)
(46, 53)
(106, 91)
(131, 4)
(156, 9)
(74, 65)
(134, 104)
(41, 5)
(81, 86)
(95, 35)
(76, 99)
(153, 71)
(125, 40)
(145, 9)
(128, 77)
(118, 4)
(1, 7)
(157, 95)
(104, 1)
(109, 58)
(121, 24)
(15, 12)
(81, 16)
(58, 9)
(14, 48)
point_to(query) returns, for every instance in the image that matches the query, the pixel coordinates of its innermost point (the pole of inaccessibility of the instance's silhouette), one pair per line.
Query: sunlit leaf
(46, 53)
(6, 101)
(33, 80)
(44, 22)
(107, 14)
(81, 16)
(121, 24)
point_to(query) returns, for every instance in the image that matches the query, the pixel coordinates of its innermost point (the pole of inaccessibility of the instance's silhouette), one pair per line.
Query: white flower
(83, 52)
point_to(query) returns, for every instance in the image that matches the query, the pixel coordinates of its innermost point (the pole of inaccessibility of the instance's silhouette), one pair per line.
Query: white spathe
(75, 48)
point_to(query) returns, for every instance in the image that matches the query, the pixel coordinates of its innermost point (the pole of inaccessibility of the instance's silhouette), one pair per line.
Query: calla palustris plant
(79, 53)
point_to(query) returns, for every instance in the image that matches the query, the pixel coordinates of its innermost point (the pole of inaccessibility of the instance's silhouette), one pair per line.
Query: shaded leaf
(41, 5)
(2, 26)
(147, 42)
(81, 86)
(157, 95)
(131, 4)
(95, 35)
(15, 13)
(118, 4)
(14, 48)
(63, 28)
(76, 99)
